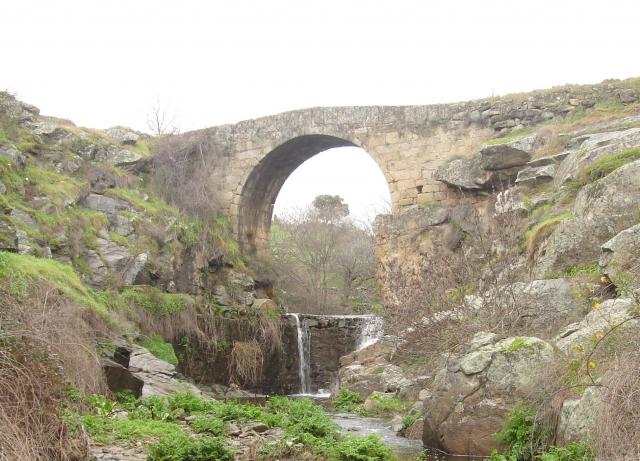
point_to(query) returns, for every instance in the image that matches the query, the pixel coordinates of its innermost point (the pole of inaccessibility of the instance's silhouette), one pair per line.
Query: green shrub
(187, 449)
(572, 452)
(158, 347)
(383, 404)
(368, 448)
(408, 420)
(522, 435)
(347, 400)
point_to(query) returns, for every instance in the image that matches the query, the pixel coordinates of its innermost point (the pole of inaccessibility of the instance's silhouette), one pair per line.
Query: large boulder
(158, 376)
(508, 154)
(462, 173)
(589, 148)
(123, 134)
(474, 391)
(620, 260)
(602, 209)
(534, 174)
(120, 379)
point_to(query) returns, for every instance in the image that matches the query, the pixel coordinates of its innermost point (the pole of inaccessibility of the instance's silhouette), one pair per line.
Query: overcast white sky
(103, 63)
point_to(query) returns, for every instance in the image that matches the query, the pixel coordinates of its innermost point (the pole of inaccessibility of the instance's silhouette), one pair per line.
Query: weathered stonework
(253, 158)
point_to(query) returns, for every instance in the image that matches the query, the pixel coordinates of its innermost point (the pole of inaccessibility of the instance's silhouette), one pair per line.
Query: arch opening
(265, 181)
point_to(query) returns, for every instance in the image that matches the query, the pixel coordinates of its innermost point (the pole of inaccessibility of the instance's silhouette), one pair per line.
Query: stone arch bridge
(252, 159)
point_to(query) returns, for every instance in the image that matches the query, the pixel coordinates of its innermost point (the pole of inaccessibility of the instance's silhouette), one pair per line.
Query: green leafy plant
(368, 448)
(347, 400)
(183, 448)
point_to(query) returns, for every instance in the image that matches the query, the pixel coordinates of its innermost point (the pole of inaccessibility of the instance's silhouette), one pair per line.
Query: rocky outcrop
(577, 336)
(602, 210)
(500, 156)
(620, 260)
(158, 376)
(588, 148)
(578, 417)
(474, 392)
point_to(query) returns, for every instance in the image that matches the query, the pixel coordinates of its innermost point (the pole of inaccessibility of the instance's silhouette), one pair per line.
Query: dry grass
(47, 343)
(245, 363)
(617, 434)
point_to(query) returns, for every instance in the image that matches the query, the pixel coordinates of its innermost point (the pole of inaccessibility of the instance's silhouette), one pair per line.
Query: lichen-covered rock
(463, 173)
(620, 260)
(577, 336)
(577, 417)
(8, 235)
(533, 174)
(158, 376)
(109, 205)
(590, 148)
(602, 209)
(509, 154)
(474, 391)
(123, 134)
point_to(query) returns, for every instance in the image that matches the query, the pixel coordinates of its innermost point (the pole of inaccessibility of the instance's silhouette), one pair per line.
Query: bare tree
(323, 261)
(160, 120)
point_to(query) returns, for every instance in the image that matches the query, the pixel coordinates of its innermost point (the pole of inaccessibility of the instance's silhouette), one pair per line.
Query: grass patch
(543, 229)
(607, 164)
(156, 301)
(20, 274)
(158, 347)
(152, 206)
(379, 403)
(508, 138)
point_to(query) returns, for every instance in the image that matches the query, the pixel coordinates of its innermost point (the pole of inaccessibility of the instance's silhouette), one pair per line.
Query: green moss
(151, 206)
(157, 302)
(21, 274)
(516, 345)
(158, 347)
(541, 230)
(508, 138)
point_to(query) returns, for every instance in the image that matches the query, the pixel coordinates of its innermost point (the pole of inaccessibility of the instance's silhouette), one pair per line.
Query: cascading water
(303, 355)
(371, 332)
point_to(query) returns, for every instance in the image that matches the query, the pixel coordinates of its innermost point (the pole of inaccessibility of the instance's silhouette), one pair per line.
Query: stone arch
(263, 184)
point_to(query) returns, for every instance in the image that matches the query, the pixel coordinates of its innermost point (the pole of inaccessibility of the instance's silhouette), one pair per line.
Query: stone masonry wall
(407, 142)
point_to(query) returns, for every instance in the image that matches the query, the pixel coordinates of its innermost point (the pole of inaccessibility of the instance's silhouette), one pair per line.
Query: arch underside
(265, 181)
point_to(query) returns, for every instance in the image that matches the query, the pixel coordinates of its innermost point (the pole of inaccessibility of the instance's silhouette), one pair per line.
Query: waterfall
(371, 332)
(303, 354)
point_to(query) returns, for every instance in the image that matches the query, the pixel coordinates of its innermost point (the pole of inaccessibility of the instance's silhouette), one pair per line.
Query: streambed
(405, 449)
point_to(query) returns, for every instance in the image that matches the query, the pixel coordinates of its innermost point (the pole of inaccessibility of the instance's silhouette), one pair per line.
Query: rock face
(588, 148)
(610, 313)
(472, 394)
(544, 306)
(158, 376)
(620, 260)
(509, 154)
(577, 417)
(602, 210)
(463, 173)
(368, 370)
